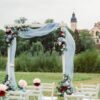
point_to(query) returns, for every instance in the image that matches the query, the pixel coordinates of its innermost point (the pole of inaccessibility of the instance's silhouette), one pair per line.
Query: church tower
(73, 22)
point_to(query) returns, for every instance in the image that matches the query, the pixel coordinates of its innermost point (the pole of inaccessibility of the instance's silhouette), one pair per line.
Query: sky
(87, 11)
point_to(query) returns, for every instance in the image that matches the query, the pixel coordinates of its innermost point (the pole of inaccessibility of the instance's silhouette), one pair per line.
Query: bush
(86, 40)
(23, 62)
(42, 62)
(3, 45)
(97, 65)
(36, 48)
(88, 61)
(3, 62)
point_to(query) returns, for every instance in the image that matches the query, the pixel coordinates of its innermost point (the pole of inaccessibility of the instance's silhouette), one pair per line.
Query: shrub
(23, 62)
(3, 62)
(87, 61)
(36, 48)
(42, 62)
(97, 65)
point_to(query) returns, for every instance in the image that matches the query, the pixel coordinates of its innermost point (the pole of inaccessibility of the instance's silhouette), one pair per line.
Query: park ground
(86, 78)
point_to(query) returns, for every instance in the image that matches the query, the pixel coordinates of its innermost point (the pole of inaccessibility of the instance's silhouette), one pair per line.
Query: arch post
(10, 70)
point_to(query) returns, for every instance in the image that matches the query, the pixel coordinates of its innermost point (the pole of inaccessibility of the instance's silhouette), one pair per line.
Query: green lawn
(55, 77)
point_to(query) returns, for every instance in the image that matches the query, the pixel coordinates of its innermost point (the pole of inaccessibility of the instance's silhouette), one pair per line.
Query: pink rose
(22, 83)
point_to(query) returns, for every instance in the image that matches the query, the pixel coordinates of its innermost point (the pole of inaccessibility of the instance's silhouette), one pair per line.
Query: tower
(73, 22)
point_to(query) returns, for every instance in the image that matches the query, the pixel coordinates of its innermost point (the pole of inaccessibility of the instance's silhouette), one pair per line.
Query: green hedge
(88, 61)
(3, 62)
(42, 62)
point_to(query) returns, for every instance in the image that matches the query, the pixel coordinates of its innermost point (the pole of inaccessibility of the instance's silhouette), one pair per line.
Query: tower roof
(73, 19)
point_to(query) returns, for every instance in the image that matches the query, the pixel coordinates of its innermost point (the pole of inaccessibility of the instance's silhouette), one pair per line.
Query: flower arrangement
(10, 34)
(61, 42)
(65, 86)
(3, 89)
(22, 84)
(37, 82)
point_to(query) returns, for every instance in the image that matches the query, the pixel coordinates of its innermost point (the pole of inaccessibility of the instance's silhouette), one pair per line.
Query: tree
(86, 40)
(21, 20)
(3, 46)
(49, 20)
(17, 21)
(83, 40)
(36, 48)
(77, 41)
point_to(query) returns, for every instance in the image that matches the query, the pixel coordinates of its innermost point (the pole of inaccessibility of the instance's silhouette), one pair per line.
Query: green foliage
(22, 46)
(87, 62)
(36, 48)
(77, 42)
(65, 86)
(49, 21)
(83, 40)
(21, 20)
(2, 43)
(3, 62)
(31, 56)
(97, 65)
(42, 62)
(86, 40)
(34, 45)
(23, 62)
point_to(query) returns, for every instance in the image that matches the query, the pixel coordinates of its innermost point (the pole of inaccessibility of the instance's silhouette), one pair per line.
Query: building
(95, 32)
(73, 22)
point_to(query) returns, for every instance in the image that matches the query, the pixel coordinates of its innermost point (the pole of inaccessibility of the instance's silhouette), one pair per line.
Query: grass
(55, 77)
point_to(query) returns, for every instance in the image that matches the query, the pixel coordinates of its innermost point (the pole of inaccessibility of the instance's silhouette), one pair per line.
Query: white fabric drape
(39, 32)
(10, 62)
(68, 55)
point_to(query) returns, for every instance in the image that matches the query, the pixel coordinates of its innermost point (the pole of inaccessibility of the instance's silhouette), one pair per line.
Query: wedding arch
(27, 32)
